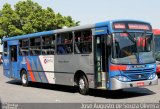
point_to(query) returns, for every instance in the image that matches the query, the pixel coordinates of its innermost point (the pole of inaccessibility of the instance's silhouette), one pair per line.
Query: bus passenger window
(65, 43)
(83, 42)
(35, 51)
(37, 41)
(13, 53)
(60, 49)
(35, 46)
(5, 49)
(23, 47)
(48, 45)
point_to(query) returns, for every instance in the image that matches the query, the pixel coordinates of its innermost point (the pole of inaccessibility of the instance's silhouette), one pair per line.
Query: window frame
(34, 46)
(23, 47)
(52, 45)
(5, 48)
(83, 41)
(63, 43)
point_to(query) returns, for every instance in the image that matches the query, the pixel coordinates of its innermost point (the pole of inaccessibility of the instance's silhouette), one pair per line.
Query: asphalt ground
(11, 91)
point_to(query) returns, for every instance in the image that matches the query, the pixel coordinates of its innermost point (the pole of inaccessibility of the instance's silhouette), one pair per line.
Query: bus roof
(156, 31)
(45, 33)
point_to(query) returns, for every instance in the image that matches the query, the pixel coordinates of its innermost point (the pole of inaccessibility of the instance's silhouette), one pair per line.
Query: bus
(156, 33)
(106, 55)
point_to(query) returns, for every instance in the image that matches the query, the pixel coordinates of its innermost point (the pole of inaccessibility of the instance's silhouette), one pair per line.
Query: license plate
(140, 84)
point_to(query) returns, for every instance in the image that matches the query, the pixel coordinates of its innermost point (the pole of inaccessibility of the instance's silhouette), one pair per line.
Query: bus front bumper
(116, 84)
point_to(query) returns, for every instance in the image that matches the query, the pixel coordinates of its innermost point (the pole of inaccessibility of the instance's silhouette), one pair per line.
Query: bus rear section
(156, 33)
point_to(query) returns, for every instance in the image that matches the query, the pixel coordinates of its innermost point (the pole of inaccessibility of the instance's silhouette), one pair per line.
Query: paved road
(12, 91)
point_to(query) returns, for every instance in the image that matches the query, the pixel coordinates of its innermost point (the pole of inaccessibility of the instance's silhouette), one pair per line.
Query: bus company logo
(138, 66)
(47, 61)
(129, 67)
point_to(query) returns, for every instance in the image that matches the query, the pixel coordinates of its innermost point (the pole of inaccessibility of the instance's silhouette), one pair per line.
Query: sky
(93, 11)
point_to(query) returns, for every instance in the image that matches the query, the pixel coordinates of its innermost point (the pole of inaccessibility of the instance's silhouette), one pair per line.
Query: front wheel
(83, 85)
(24, 78)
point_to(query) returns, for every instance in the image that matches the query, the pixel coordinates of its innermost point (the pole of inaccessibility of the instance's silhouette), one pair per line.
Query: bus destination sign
(119, 26)
(131, 26)
(138, 26)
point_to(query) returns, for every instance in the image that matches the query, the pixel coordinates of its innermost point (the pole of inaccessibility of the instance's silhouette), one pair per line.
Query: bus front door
(13, 60)
(101, 56)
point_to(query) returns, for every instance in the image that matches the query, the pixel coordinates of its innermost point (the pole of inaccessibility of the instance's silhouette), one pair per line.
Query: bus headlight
(122, 78)
(152, 76)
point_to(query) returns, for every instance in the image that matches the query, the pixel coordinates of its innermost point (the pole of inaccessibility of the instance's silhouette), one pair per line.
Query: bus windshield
(132, 48)
(157, 47)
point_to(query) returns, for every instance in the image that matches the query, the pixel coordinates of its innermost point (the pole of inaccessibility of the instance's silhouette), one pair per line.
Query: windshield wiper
(132, 38)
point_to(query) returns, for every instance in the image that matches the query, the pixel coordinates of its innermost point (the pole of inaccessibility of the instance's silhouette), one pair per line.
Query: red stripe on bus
(30, 71)
(117, 67)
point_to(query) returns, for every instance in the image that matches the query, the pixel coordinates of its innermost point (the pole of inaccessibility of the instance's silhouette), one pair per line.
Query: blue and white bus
(107, 55)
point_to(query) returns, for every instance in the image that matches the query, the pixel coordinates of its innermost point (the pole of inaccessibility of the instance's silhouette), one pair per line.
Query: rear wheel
(83, 85)
(24, 78)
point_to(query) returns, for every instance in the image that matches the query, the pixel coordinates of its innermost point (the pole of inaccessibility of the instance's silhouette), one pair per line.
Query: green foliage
(28, 17)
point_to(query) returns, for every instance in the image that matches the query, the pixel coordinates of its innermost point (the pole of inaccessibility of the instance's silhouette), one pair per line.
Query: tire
(83, 85)
(24, 78)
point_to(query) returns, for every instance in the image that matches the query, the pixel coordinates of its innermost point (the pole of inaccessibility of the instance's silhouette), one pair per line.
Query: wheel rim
(24, 78)
(81, 84)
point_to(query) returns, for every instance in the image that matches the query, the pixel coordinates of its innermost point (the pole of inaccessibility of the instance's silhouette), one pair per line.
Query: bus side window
(23, 47)
(35, 46)
(83, 42)
(5, 49)
(65, 43)
(48, 45)
(60, 49)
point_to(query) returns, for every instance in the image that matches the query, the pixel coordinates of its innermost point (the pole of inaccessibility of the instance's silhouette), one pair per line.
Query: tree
(28, 17)
(8, 21)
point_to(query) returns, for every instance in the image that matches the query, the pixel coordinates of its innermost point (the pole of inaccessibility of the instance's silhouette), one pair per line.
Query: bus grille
(139, 71)
(135, 75)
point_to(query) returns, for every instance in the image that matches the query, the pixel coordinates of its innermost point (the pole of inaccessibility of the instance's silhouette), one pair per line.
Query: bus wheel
(83, 85)
(24, 78)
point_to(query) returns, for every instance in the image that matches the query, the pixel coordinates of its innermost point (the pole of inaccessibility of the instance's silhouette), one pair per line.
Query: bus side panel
(67, 65)
(39, 68)
(64, 70)
(22, 64)
(47, 63)
(6, 71)
(35, 70)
